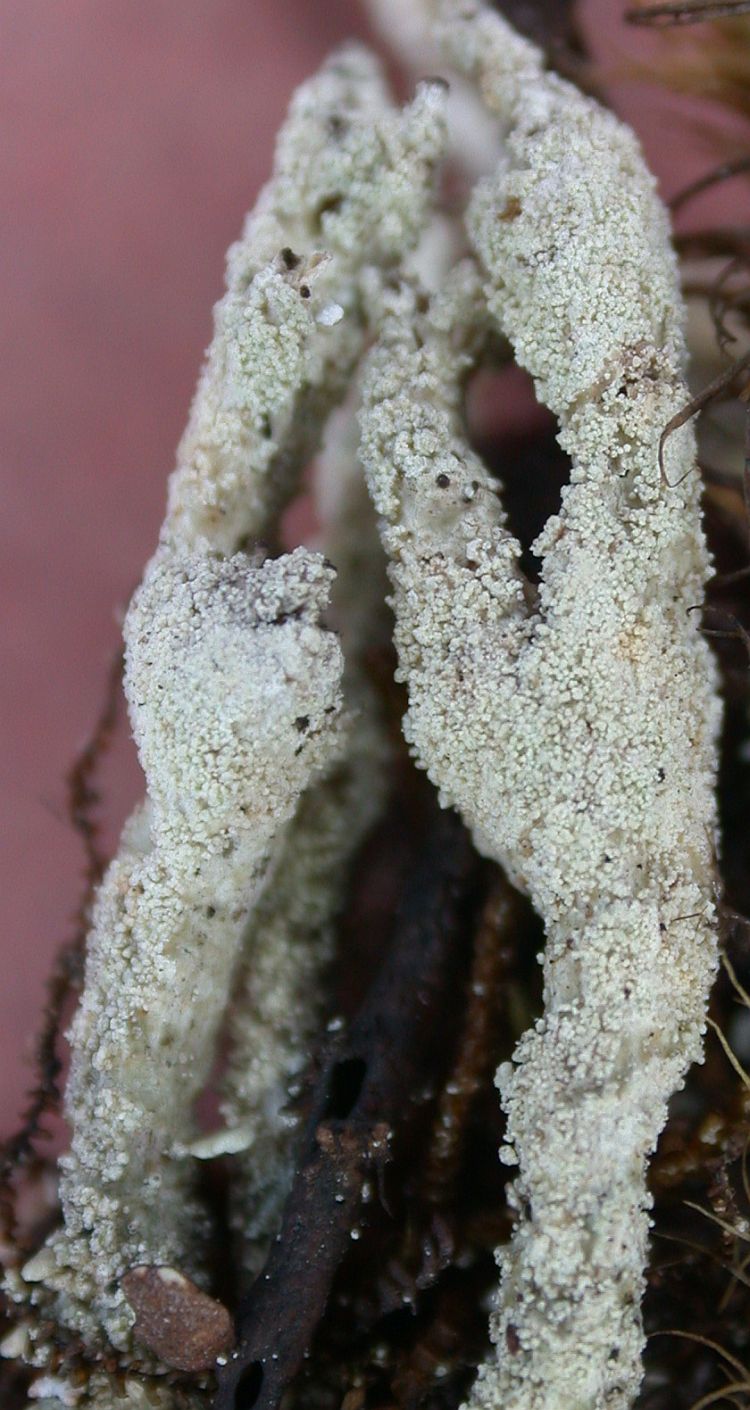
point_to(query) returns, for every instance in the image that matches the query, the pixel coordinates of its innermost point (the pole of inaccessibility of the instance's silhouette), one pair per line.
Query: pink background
(135, 135)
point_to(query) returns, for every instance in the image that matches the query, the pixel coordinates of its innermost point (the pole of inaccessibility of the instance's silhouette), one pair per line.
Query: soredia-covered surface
(223, 659)
(575, 732)
(280, 996)
(350, 193)
(573, 723)
(234, 689)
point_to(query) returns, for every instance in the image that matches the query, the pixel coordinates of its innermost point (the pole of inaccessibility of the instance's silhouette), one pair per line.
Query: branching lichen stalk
(572, 723)
(223, 658)
(234, 691)
(350, 192)
(578, 735)
(279, 1001)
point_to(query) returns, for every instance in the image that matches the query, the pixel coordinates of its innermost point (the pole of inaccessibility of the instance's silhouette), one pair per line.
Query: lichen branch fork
(577, 734)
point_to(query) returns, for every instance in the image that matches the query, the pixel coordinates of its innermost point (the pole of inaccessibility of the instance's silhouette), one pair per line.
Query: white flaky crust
(280, 996)
(350, 192)
(574, 725)
(234, 690)
(224, 658)
(577, 734)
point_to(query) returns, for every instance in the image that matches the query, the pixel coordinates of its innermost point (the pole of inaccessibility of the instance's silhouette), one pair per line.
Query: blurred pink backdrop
(136, 134)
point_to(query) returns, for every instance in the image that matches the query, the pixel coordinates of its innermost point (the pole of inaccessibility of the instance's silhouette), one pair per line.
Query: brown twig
(83, 793)
(66, 972)
(720, 173)
(711, 393)
(686, 11)
(709, 244)
(473, 1069)
(548, 22)
(372, 1078)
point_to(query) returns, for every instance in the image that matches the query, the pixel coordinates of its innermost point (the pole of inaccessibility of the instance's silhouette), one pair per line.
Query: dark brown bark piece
(370, 1078)
(686, 11)
(549, 23)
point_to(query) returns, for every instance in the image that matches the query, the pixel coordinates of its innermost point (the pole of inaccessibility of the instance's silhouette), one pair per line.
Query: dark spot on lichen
(512, 1340)
(511, 210)
(330, 205)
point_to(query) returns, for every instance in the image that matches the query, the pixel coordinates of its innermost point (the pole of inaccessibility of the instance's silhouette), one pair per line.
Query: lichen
(572, 723)
(223, 658)
(234, 690)
(280, 995)
(350, 194)
(576, 731)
